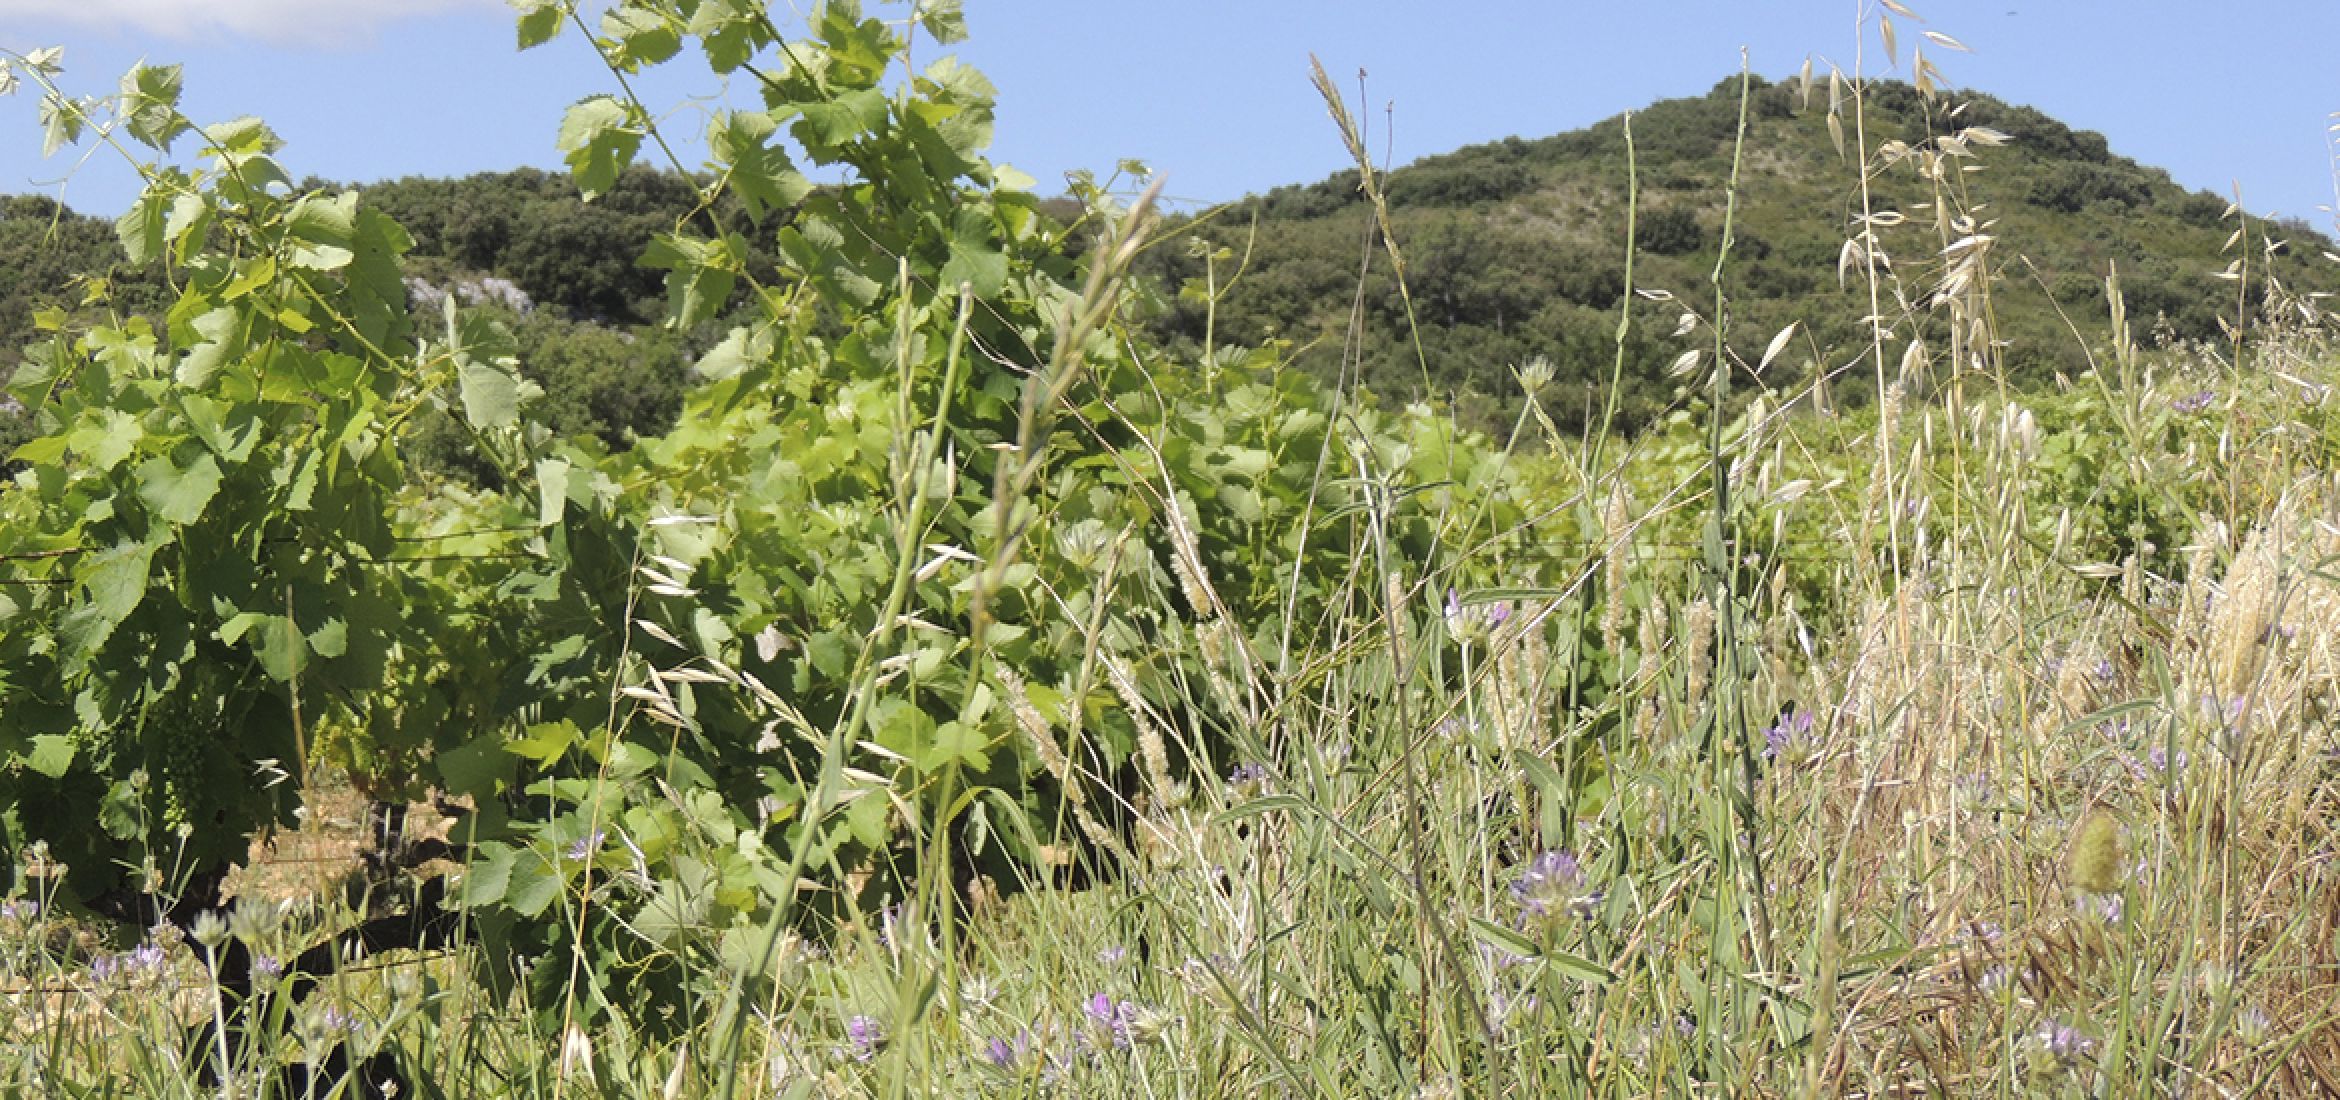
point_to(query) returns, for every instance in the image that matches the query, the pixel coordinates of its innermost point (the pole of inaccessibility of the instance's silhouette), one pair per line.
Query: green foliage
(772, 643)
(942, 562)
(205, 516)
(580, 258)
(1501, 238)
(1671, 231)
(57, 264)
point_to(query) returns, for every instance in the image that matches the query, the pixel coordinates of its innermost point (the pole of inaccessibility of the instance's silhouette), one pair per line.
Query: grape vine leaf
(639, 37)
(491, 395)
(107, 441)
(739, 142)
(150, 104)
(946, 20)
(51, 755)
(730, 32)
(178, 493)
(599, 136)
(140, 228)
(116, 582)
(539, 21)
(974, 260)
(700, 274)
(828, 125)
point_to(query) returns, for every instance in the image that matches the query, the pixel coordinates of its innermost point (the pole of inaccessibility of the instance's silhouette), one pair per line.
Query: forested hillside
(1514, 250)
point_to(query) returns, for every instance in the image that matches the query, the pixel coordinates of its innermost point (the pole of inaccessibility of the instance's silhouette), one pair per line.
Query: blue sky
(1215, 93)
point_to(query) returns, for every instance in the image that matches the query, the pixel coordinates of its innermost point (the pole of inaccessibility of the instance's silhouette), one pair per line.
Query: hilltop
(1515, 249)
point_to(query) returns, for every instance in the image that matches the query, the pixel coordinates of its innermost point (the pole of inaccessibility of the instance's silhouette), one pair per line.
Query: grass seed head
(2098, 856)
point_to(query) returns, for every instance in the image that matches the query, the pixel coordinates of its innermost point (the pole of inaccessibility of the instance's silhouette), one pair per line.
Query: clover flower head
(979, 991)
(1503, 1007)
(1111, 1018)
(2252, 1025)
(1250, 780)
(1553, 883)
(585, 846)
(863, 1036)
(1474, 621)
(145, 959)
(1012, 1054)
(2062, 1042)
(1790, 739)
(1454, 726)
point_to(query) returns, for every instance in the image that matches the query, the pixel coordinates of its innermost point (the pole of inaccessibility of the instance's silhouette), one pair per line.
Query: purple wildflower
(866, 1035)
(587, 845)
(2063, 1042)
(21, 911)
(1500, 958)
(1249, 780)
(1014, 1054)
(2193, 403)
(266, 967)
(146, 958)
(1553, 883)
(1502, 1007)
(1111, 1017)
(1476, 621)
(1113, 956)
(1790, 738)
